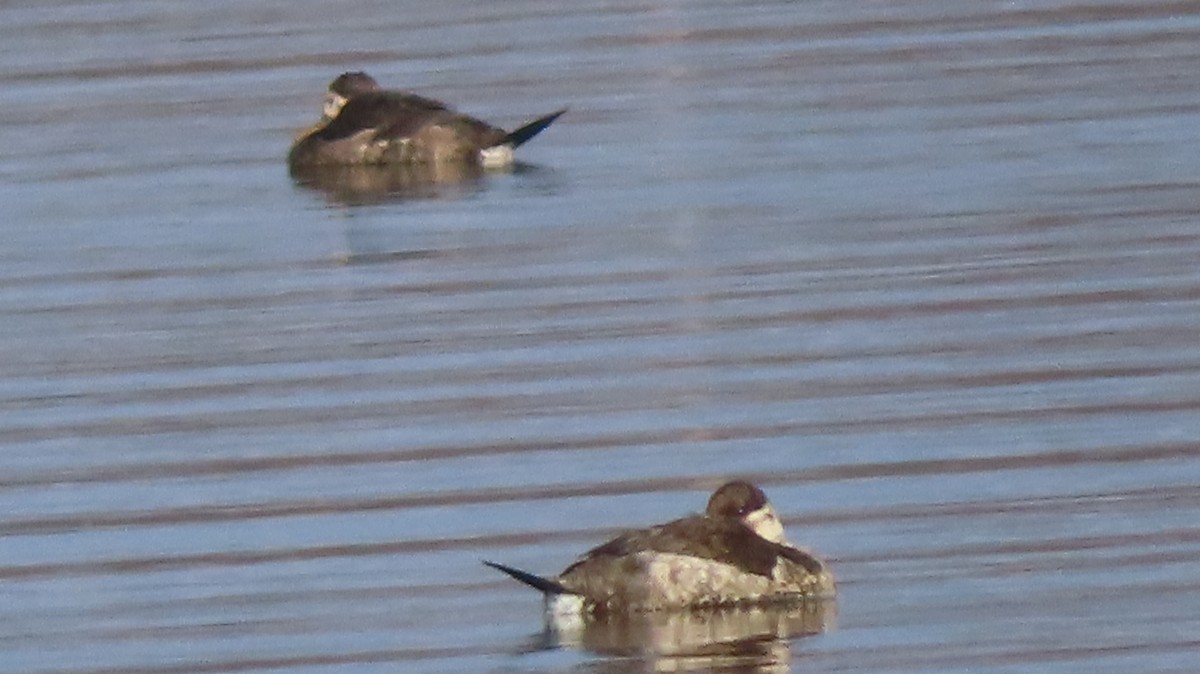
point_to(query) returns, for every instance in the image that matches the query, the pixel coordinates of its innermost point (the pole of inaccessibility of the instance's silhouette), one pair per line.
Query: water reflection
(361, 185)
(367, 185)
(927, 270)
(745, 639)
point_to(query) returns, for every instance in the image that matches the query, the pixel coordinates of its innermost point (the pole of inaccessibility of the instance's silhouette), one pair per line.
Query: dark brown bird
(363, 124)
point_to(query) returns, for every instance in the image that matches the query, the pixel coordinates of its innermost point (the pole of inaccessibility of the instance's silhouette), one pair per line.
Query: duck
(363, 124)
(734, 554)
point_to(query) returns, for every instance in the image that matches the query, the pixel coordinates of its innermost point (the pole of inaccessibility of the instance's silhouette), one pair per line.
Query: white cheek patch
(333, 105)
(765, 523)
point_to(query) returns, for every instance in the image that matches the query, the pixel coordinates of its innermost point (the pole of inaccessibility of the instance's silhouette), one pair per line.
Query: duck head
(346, 86)
(748, 504)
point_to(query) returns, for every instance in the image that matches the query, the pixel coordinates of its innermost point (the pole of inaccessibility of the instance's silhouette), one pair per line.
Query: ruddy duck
(362, 124)
(735, 554)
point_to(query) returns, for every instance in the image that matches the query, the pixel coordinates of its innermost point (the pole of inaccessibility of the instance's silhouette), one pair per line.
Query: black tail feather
(522, 135)
(537, 582)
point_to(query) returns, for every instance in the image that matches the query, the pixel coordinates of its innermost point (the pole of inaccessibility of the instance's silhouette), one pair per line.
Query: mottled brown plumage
(365, 125)
(733, 554)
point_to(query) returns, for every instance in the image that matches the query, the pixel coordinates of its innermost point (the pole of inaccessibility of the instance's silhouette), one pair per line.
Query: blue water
(926, 273)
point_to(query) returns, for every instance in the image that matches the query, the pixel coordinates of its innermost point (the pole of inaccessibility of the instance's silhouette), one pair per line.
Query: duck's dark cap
(735, 499)
(349, 85)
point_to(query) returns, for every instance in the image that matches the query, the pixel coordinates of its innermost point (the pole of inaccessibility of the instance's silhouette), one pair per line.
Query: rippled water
(926, 271)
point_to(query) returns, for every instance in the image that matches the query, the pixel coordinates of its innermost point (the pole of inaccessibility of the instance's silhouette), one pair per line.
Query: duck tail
(544, 585)
(522, 135)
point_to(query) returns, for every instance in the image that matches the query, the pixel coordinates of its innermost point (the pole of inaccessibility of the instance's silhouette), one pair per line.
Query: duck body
(363, 125)
(733, 555)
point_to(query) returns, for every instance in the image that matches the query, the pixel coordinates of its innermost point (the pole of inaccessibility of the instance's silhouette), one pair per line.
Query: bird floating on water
(735, 554)
(362, 124)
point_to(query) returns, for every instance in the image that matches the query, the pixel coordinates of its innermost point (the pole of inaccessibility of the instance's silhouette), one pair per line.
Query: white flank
(683, 580)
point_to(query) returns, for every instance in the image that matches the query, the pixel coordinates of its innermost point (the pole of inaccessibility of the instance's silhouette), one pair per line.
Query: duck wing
(721, 540)
(391, 114)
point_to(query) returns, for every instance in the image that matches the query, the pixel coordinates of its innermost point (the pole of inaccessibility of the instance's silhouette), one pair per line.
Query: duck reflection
(363, 185)
(738, 639)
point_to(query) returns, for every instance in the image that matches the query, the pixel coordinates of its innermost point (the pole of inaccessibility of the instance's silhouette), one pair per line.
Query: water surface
(927, 273)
